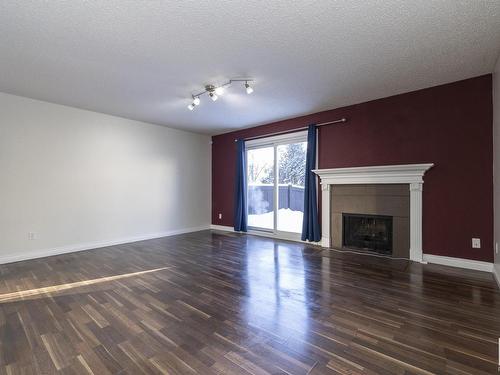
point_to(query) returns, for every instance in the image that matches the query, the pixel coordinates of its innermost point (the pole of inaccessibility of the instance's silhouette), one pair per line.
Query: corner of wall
(496, 167)
(496, 273)
(210, 196)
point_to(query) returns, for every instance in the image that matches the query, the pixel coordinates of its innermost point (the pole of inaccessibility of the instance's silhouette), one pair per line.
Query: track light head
(248, 88)
(213, 96)
(196, 100)
(191, 107)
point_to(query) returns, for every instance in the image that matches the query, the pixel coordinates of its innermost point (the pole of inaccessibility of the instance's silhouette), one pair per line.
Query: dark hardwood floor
(213, 302)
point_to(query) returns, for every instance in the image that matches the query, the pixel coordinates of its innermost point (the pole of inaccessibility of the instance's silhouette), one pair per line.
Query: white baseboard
(459, 262)
(222, 227)
(496, 273)
(93, 245)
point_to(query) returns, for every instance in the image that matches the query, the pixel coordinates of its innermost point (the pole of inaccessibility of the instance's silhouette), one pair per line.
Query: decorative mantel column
(325, 215)
(416, 221)
(411, 174)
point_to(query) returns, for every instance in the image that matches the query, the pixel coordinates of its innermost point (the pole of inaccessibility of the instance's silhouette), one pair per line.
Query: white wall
(80, 179)
(496, 162)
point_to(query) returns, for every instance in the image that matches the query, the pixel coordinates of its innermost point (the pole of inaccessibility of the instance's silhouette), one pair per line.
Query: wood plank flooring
(223, 303)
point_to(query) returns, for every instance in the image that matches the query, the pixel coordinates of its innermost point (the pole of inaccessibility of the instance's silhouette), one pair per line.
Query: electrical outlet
(476, 243)
(31, 236)
(220, 216)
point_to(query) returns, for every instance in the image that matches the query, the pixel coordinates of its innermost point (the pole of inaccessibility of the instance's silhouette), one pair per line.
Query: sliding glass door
(275, 178)
(260, 189)
(291, 173)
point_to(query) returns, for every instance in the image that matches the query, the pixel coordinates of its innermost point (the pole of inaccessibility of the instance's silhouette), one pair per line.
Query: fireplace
(367, 232)
(410, 175)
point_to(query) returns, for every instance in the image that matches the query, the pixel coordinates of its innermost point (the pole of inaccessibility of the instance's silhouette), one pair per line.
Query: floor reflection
(276, 285)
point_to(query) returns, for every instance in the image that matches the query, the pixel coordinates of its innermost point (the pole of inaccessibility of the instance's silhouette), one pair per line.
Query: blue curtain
(240, 191)
(310, 224)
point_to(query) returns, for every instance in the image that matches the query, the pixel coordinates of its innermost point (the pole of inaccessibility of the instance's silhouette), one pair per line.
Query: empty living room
(250, 187)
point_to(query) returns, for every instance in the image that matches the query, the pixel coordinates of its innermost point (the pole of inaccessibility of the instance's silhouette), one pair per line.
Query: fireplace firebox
(367, 232)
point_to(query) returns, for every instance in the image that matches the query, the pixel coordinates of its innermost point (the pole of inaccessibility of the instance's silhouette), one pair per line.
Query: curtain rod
(342, 120)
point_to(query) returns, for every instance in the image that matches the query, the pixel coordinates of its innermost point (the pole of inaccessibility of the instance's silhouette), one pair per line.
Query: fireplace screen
(367, 232)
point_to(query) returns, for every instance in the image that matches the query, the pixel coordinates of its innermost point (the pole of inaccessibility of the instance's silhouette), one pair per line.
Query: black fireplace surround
(367, 232)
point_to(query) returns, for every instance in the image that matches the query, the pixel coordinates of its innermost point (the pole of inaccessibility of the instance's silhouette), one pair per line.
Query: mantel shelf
(383, 174)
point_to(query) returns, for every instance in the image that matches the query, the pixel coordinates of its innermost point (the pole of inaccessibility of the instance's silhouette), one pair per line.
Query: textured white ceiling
(143, 59)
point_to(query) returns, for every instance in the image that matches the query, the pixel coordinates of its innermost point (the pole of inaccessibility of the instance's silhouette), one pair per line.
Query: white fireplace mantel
(411, 174)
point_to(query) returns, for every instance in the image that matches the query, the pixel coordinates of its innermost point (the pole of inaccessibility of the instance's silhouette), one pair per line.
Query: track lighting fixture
(215, 91)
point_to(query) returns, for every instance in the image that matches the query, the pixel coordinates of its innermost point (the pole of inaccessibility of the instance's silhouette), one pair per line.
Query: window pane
(260, 192)
(291, 173)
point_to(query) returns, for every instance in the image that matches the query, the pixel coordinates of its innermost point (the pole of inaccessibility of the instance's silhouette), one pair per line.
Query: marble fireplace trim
(411, 174)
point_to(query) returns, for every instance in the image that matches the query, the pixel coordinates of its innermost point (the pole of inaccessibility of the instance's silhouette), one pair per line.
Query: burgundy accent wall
(448, 125)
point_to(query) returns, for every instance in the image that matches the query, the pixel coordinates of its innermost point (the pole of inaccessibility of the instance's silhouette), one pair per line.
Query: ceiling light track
(215, 91)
